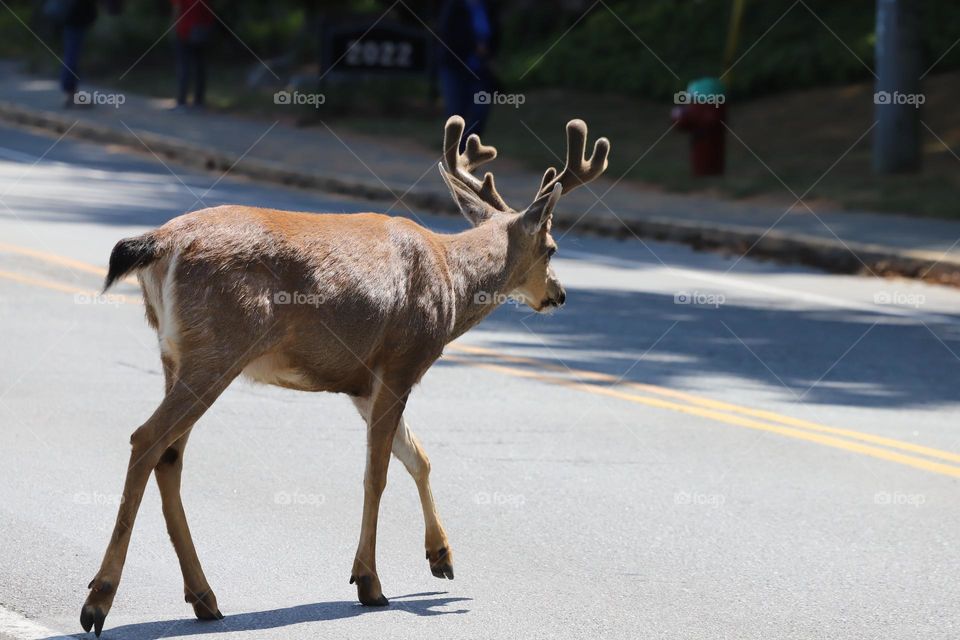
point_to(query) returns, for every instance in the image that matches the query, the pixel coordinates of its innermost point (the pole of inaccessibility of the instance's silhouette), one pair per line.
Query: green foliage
(118, 42)
(15, 38)
(654, 48)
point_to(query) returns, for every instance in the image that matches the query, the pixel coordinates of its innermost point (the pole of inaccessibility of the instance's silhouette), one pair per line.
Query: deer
(360, 304)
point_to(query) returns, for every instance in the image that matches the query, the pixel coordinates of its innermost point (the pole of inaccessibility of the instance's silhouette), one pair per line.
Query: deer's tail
(131, 254)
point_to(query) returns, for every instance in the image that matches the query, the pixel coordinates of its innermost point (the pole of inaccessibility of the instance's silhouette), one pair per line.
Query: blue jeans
(191, 64)
(72, 44)
(459, 89)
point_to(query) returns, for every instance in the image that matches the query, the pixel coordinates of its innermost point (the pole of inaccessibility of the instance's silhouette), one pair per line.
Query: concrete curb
(831, 255)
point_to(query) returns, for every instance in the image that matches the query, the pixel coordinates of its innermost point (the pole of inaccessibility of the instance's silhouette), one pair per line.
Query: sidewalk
(338, 161)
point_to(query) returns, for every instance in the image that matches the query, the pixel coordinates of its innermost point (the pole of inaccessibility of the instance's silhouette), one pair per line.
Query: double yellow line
(905, 453)
(934, 460)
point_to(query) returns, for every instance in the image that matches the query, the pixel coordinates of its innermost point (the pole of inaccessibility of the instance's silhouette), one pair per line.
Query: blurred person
(470, 32)
(194, 25)
(74, 17)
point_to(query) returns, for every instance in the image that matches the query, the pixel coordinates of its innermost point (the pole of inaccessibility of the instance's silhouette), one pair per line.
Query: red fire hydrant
(701, 110)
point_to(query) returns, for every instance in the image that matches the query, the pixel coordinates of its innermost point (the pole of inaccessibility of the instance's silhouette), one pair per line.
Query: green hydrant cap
(705, 87)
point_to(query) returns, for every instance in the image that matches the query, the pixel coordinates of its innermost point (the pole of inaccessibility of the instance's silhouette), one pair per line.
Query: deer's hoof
(97, 605)
(441, 563)
(368, 591)
(92, 617)
(203, 613)
(204, 605)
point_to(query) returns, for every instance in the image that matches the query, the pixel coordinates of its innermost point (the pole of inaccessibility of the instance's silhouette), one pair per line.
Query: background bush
(689, 36)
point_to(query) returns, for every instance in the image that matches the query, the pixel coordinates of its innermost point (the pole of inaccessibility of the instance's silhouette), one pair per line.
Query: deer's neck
(481, 272)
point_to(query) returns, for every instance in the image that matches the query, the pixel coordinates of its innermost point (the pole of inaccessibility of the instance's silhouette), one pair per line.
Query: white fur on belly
(273, 369)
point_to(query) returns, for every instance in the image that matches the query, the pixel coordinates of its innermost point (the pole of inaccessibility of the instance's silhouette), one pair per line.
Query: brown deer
(361, 304)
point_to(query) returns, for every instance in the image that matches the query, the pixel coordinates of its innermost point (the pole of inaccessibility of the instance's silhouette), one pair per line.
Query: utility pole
(897, 99)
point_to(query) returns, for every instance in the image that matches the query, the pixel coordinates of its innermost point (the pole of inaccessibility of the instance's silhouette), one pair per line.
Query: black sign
(383, 48)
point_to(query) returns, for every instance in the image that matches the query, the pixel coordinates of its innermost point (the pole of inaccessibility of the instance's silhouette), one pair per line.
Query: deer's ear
(471, 206)
(538, 213)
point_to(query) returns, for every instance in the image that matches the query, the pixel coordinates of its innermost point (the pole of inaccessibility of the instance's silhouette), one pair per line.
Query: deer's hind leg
(168, 472)
(187, 398)
(196, 589)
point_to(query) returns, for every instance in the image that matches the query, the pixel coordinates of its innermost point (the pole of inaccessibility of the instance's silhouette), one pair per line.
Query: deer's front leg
(409, 451)
(384, 414)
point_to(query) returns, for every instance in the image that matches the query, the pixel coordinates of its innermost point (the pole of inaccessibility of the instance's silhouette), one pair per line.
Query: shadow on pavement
(421, 604)
(820, 355)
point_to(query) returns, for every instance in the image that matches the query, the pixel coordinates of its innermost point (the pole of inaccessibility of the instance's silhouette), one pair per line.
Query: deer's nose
(562, 297)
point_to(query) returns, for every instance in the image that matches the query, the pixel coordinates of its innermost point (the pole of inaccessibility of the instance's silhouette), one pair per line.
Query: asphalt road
(694, 447)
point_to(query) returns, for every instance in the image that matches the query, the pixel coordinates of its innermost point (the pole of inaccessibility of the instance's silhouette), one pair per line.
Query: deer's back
(324, 301)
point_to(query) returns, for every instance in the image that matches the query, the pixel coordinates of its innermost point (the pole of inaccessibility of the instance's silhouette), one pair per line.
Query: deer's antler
(461, 165)
(578, 170)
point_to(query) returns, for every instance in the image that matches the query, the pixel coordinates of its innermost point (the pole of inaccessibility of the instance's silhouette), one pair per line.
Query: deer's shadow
(420, 604)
